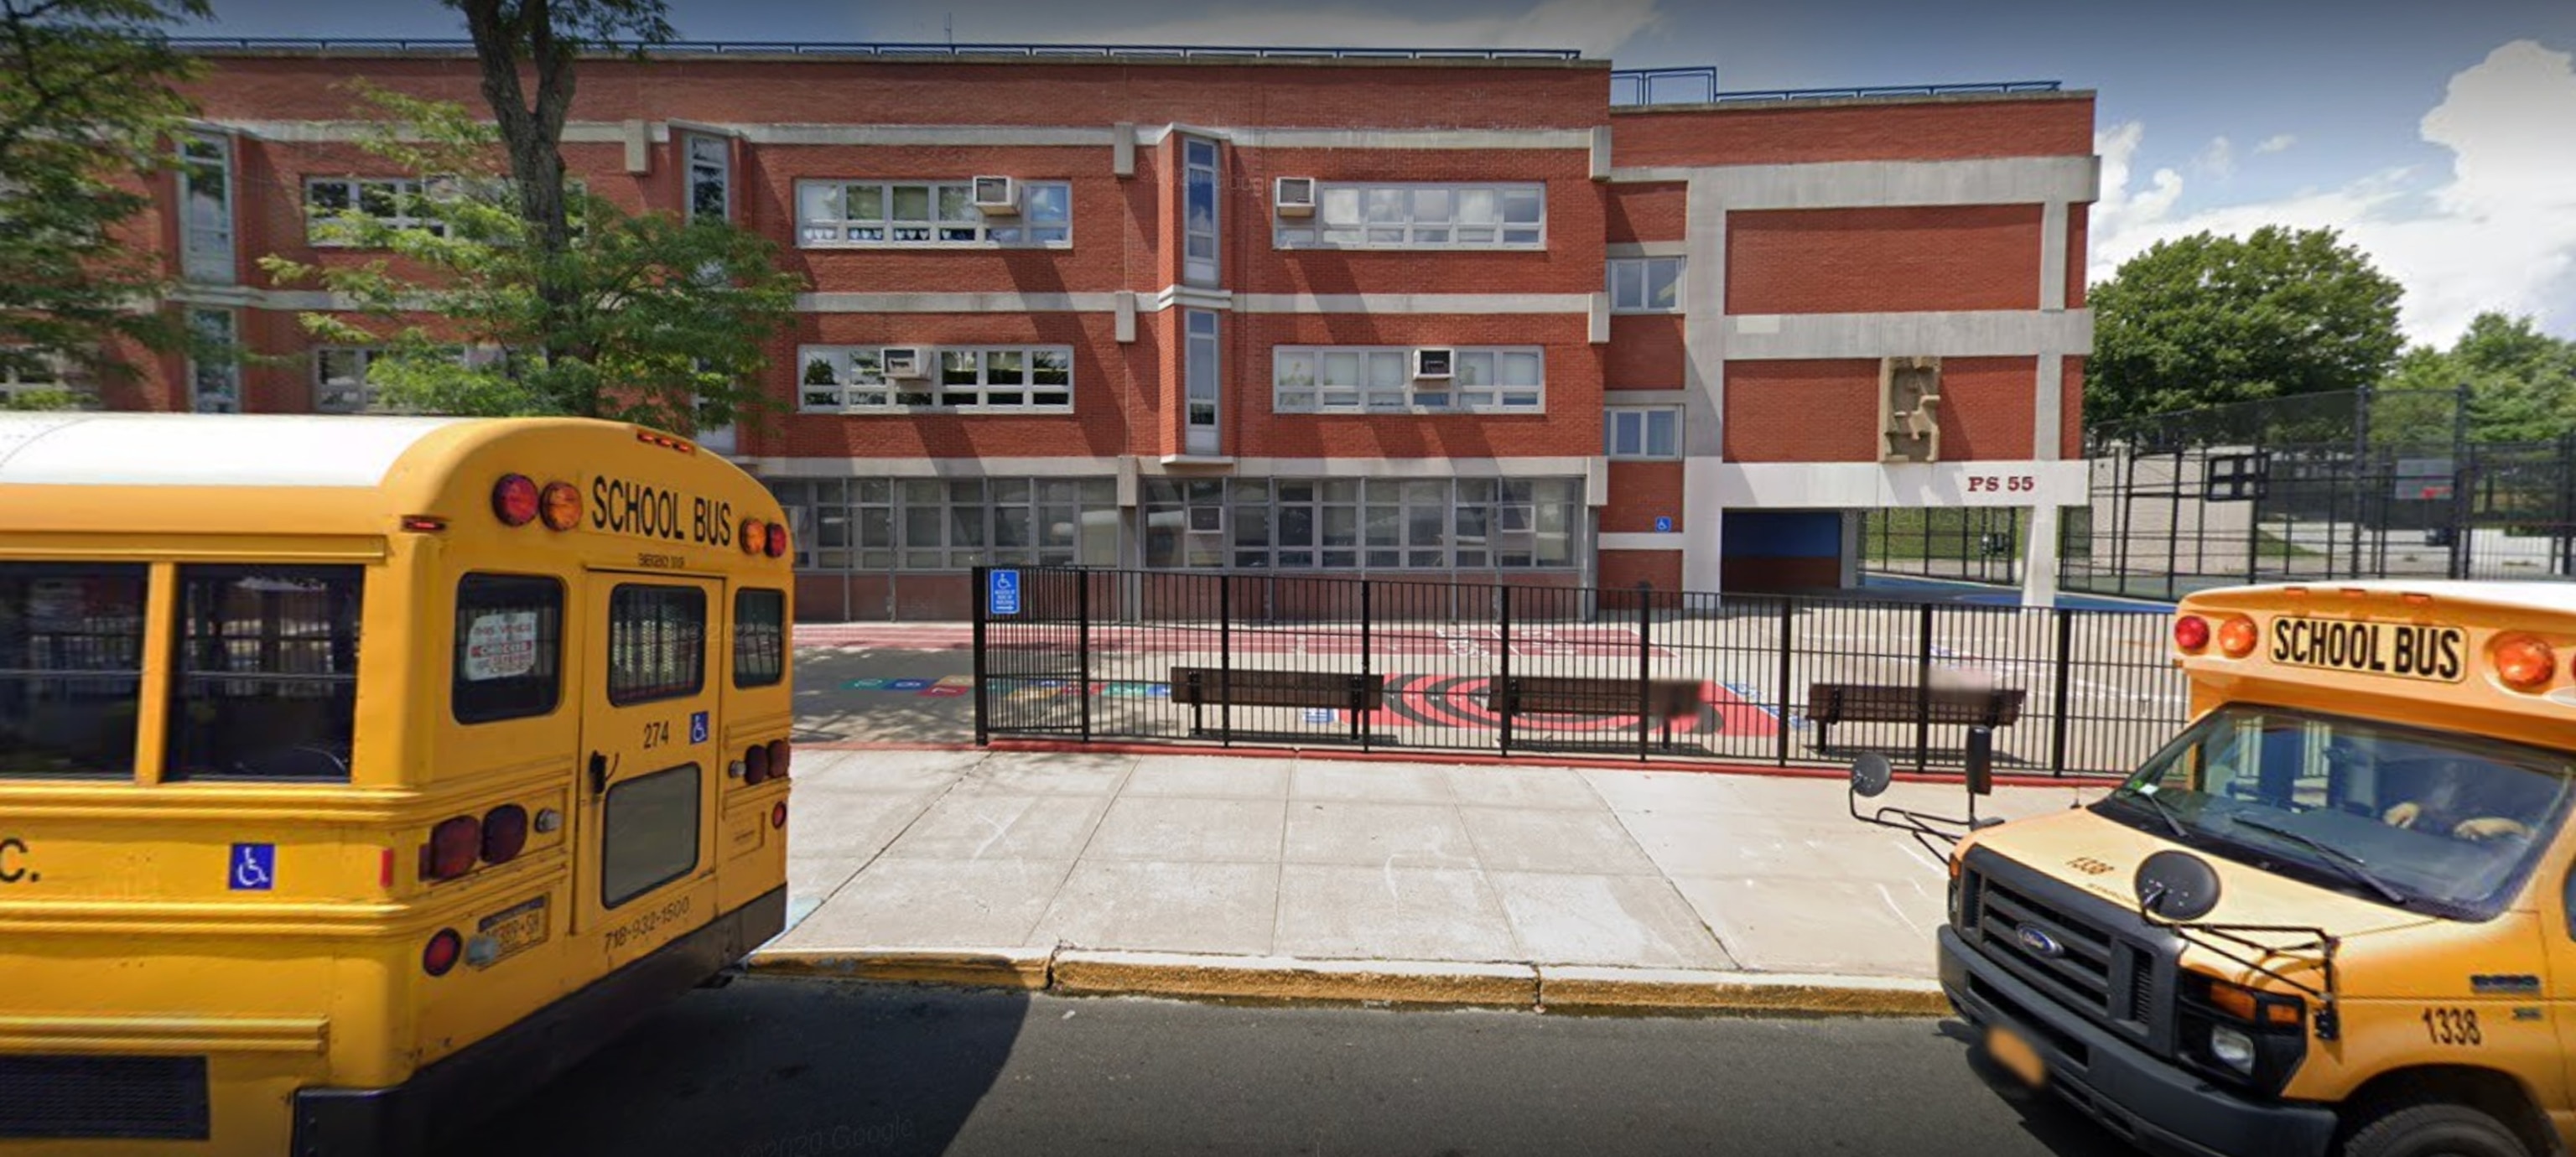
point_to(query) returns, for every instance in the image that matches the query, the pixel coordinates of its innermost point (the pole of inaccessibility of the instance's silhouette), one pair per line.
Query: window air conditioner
(1433, 364)
(906, 361)
(1293, 196)
(995, 196)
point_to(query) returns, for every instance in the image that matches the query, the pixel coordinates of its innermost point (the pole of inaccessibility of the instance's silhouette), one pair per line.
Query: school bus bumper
(2154, 1104)
(502, 1069)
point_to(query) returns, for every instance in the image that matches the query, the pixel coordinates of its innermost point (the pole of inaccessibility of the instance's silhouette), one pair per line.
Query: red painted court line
(1449, 758)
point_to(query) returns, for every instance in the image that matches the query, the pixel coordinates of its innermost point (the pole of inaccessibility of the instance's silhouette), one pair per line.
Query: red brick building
(1433, 317)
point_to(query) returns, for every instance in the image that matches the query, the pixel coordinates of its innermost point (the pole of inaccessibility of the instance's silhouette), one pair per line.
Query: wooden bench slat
(1831, 703)
(1258, 687)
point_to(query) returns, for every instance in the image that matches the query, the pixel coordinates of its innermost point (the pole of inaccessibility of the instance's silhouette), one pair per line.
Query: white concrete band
(1643, 540)
(1865, 184)
(1965, 333)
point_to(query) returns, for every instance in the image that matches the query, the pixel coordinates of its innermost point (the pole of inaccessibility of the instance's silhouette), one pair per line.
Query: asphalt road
(796, 1068)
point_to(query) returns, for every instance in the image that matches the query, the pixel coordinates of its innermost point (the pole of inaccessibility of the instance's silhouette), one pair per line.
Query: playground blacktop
(1319, 875)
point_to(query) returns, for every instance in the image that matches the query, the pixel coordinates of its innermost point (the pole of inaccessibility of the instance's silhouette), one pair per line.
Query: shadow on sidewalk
(754, 1070)
(2050, 1121)
(829, 710)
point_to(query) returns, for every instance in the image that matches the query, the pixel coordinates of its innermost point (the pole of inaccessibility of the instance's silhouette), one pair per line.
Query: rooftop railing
(1642, 87)
(897, 51)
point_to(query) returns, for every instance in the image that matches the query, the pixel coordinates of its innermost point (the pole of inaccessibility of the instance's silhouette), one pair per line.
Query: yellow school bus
(2334, 915)
(359, 774)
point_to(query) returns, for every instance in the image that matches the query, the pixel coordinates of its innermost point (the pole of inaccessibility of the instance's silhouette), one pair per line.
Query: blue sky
(2441, 137)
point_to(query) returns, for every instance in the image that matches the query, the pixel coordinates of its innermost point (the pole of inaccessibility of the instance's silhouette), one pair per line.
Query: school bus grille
(2112, 980)
(93, 1096)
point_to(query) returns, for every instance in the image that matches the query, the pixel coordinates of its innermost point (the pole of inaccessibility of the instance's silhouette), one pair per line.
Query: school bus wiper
(2156, 803)
(2353, 867)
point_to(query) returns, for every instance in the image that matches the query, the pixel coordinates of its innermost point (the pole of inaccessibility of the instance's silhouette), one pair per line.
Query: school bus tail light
(505, 833)
(514, 500)
(777, 545)
(2524, 663)
(442, 952)
(453, 846)
(2191, 633)
(2236, 636)
(561, 502)
(778, 815)
(754, 536)
(778, 752)
(755, 764)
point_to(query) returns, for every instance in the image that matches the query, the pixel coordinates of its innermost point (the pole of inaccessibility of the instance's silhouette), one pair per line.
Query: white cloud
(2275, 143)
(1598, 27)
(2499, 233)
(2218, 160)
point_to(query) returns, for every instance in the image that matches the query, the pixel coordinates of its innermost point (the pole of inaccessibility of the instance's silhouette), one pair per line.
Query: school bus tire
(2434, 1129)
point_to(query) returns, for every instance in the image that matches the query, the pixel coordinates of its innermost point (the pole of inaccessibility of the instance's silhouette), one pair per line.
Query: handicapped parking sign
(1003, 586)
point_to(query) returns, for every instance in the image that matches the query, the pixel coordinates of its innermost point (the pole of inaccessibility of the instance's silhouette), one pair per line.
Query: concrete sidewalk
(1286, 876)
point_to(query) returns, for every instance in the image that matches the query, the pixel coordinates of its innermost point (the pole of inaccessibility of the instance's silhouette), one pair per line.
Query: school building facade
(1450, 316)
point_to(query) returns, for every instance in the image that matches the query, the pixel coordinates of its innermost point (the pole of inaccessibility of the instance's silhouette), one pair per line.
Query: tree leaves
(2207, 320)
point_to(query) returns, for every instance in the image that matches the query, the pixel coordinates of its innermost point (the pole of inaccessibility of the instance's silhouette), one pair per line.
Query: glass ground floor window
(1362, 523)
(929, 524)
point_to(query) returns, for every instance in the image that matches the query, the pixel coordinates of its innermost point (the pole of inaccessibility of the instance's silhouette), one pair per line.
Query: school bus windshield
(2441, 823)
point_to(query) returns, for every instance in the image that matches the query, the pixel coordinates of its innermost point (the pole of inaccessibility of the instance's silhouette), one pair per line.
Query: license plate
(2015, 1055)
(511, 931)
(2423, 651)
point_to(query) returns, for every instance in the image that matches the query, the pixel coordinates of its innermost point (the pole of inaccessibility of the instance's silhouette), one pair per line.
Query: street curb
(1290, 979)
(1577, 989)
(1441, 757)
(1021, 968)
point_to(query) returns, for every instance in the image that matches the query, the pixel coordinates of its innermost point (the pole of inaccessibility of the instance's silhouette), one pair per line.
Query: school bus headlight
(562, 505)
(2236, 637)
(2524, 662)
(2231, 1047)
(514, 499)
(2191, 633)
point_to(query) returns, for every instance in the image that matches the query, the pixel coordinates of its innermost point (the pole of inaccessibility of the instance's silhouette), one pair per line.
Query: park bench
(1201, 687)
(1665, 699)
(1832, 703)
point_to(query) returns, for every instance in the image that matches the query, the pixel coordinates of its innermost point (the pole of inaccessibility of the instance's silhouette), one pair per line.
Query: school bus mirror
(1870, 773)
(1981, 761)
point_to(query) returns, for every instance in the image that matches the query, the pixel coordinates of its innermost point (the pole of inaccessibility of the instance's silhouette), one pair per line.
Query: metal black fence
(2364, 484)
(1293, 660)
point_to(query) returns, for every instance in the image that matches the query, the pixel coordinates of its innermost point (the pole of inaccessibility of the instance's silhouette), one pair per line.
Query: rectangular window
(759, 637)
(1352, 523)
(49, 374)
(1420, 216)
(214, 377)
(1641, 431)
(206, 208)
(394, 202)
(649, 833)
(918, 213)
(1199, 212)
(657, 643)
(1206, 391)
(71, 668)
(266, 683)
(884, 524)
(1645, 284)
(1358, 379)
(710, 176)
(509, 647)
(855, 379)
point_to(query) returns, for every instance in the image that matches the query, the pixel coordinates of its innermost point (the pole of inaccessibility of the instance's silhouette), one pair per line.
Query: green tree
(2521, 382)
(2207, 320)
(641, 317)
(87, 109)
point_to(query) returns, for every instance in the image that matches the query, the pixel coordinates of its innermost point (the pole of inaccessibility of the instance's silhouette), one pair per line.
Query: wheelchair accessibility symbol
(698, 727)
(254, 867)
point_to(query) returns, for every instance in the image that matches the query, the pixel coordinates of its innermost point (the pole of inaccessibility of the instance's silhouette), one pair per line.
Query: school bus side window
(657, 643)
(266, 682)
(71, 668)
(509, 647)
(759, 637)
